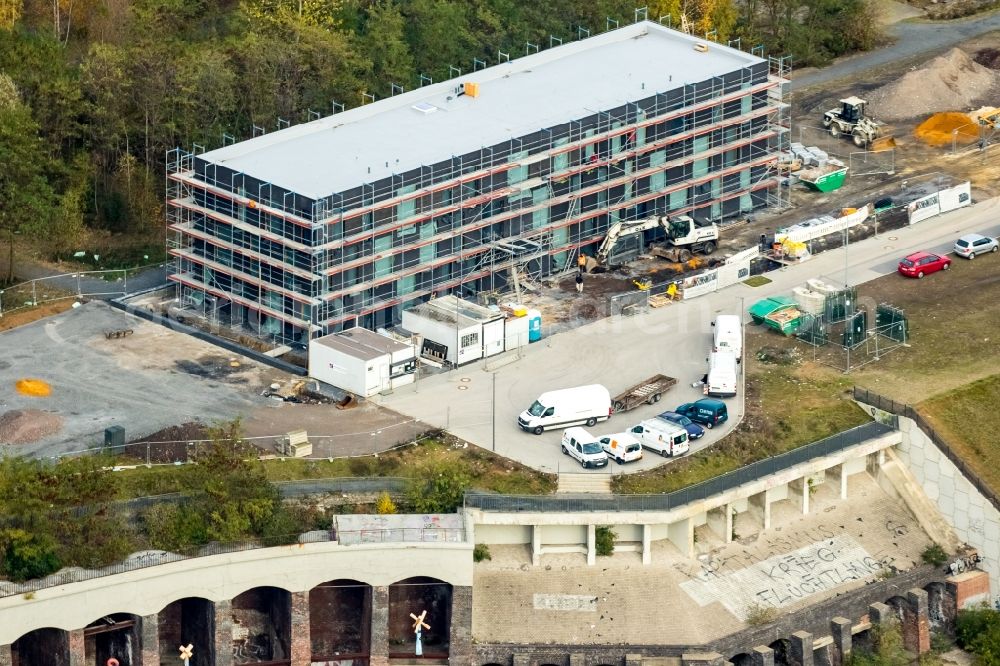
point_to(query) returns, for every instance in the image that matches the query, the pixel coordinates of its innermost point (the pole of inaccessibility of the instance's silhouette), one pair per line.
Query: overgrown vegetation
(761, 614)
(887, 648)
(604, 540)
(93, 93)
(978, 631)
(72, 513)
(934, 554)
(967, 419)
(481, 553)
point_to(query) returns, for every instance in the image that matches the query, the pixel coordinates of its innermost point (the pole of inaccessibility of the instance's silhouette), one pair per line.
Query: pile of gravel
(24, 426)
(950, 82)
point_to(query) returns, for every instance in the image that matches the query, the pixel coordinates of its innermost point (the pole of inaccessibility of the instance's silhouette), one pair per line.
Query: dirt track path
(912, 38)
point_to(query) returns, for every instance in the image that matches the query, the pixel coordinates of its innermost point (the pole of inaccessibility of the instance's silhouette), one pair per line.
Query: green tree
(439, 35)
(26, 199)
(386, 47)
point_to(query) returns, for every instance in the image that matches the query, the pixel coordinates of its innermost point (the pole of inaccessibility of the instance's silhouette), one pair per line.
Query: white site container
(468, 331)
(361, 361)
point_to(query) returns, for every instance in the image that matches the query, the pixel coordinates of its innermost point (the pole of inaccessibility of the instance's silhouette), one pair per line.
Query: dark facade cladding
(251, 254)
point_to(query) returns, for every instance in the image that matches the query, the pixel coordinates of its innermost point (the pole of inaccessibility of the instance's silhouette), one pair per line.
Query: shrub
(437, 488)
(934, 554)
(481, 552)
(978, 631)
(27, 556)
(174, 527)
(384, 504)
(760, 614)
(604, 541)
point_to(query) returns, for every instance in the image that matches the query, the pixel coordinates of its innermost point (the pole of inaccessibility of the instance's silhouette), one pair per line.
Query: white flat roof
(453, 310)
(361, 343)
(568, 82)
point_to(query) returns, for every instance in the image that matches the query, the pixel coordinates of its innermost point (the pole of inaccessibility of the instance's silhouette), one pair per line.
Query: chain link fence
(678, 498)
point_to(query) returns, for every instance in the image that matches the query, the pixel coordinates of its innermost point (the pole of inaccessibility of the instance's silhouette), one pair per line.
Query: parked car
(583, 447)
(708, 411)
(621, 447)
(573, 406)
(970, 245)
(920, 264)
(694, 430)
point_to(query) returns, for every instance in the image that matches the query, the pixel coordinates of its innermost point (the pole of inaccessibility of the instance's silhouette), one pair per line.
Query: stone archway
(188, 621)
(340, 620)
(41, 647)
(415, 595)
(113, 636)
(262, 619)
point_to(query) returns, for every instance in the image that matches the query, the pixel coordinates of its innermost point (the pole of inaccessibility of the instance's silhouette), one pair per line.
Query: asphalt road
(912, 38)
(620, 352)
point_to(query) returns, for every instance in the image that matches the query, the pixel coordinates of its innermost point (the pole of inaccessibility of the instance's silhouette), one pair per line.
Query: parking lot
(620, 352)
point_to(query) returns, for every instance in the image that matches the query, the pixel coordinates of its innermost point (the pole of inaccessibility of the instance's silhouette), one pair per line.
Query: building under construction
(455, 187)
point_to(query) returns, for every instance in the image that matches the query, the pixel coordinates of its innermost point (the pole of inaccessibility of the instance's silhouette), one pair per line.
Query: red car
(920, 264)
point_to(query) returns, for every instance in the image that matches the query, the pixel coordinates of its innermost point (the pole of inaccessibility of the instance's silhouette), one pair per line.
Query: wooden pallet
(659, 300)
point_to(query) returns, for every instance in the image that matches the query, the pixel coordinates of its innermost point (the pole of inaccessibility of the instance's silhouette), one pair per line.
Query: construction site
(264, 235)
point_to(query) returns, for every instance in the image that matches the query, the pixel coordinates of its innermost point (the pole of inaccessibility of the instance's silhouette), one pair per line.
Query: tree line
(94, 92)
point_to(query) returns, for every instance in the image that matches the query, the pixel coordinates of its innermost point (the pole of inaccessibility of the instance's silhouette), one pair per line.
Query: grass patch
(967, 418)
(788, 405)
(757, 281)
(483, 469)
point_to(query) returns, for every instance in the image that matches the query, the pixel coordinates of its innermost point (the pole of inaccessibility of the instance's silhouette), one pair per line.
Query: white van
(722, 375)
(663, 437)
(622, 447)
(567, 407)
(583, 447)
(728, 335)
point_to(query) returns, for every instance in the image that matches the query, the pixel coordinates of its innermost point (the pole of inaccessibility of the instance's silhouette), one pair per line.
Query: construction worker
(579, 283)
(581, 262)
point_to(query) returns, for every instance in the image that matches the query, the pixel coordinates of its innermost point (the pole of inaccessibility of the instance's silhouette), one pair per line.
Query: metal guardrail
(879, 401)
(677, 498)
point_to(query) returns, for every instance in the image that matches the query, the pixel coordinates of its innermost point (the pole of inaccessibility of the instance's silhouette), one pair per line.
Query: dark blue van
(707, 411)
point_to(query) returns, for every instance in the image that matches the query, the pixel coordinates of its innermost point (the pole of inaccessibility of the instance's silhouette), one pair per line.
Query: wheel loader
(850, 120)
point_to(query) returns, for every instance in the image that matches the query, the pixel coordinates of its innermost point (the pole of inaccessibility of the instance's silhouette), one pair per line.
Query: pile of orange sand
(37, 388)
(942, 129)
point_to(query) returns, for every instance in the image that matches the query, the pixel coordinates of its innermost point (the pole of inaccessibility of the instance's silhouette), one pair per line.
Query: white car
(970, 245)
(584, 448)
(621, 447)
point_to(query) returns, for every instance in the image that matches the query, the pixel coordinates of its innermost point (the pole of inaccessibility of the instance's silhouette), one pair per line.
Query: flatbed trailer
(648, 391)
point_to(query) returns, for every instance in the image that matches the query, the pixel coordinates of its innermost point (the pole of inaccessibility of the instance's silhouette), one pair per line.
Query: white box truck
(663, 437)
(728, 335)
(582, 405)
(722, 375)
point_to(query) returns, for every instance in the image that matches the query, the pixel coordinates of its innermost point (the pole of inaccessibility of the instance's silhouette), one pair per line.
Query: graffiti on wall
(787, 578)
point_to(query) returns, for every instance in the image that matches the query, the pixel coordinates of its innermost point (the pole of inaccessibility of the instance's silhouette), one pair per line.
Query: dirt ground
(21, 317)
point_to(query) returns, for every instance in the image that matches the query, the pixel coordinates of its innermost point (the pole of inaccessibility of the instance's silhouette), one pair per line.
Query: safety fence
(667, 501)
(82, 284)
(889, 405)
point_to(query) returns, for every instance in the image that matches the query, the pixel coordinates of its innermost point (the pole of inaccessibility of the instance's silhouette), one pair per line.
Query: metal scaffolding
(526, 207)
